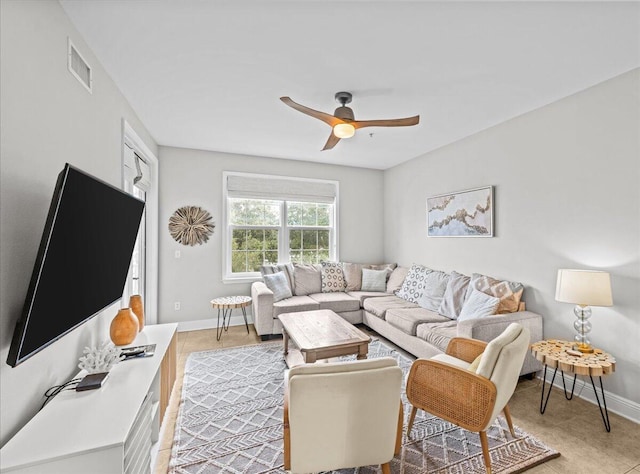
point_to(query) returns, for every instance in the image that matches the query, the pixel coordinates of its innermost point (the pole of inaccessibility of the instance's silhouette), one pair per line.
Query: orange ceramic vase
(124, 327)
(135, 303)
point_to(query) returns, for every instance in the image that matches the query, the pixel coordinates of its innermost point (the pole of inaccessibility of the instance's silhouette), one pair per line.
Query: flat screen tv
(82, 262)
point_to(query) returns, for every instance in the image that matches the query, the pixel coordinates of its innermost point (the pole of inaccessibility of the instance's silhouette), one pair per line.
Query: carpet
(230, 421)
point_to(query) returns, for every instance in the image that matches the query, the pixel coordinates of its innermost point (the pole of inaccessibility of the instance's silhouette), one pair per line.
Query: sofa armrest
(487, 329)
(491, 327)
(262, 299)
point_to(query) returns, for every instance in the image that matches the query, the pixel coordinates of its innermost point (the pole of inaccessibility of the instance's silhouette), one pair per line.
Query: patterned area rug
(230, 421)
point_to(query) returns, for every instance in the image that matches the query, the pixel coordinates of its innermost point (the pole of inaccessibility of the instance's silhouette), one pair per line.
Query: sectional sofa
(417, 308)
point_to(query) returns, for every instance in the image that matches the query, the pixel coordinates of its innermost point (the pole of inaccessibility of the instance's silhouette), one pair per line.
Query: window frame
(283, 229)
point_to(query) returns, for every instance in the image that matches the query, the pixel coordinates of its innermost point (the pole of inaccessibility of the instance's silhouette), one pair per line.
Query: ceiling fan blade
(326, 118)
(401, 122)
(331, 142)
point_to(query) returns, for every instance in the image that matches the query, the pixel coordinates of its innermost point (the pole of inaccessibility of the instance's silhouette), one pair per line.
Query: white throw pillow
(435, 284)
(479, 305)
(374, 280)
(279, 285)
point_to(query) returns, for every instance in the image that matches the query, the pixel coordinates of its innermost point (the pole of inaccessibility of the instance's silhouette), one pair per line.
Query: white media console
(108, 430)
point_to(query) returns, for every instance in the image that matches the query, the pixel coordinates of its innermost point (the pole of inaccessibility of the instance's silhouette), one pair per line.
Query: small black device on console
(92, 381)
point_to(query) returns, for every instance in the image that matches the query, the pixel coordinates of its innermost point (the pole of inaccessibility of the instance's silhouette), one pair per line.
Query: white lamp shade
(584, 287)
(344, 130)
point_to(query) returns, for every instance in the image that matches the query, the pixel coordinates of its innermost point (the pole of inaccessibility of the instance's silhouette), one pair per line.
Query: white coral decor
(100, 359)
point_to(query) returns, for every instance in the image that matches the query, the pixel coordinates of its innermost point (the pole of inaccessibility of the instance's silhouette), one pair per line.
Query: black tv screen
(82, 262)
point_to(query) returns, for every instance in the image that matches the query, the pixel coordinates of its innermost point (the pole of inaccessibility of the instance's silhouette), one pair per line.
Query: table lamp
(584, 288)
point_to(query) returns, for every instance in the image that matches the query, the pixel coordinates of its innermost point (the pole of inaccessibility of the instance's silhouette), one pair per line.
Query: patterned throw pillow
(332, 277)
(413, 285)
(510, 293)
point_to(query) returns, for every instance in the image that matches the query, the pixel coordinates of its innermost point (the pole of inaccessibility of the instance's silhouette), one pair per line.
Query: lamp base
(584, 348)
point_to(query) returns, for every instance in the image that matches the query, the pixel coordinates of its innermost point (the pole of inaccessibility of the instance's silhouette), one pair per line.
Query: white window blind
(137, 170)
(281, 188)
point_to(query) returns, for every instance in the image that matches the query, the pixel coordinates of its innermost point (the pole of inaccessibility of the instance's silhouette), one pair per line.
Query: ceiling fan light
(344, 130)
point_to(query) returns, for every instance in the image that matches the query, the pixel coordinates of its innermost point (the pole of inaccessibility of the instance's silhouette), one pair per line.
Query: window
(140, 178)
(275, 219)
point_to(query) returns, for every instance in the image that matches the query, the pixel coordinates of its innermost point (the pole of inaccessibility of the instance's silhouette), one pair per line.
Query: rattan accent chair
(448, 386)
(342, 415)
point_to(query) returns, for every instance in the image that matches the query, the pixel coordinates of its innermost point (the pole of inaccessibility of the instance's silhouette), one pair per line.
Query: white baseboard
(211, 323)
(615, 403)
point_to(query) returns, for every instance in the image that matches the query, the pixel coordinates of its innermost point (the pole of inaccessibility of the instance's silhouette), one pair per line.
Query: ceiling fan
(342, 121)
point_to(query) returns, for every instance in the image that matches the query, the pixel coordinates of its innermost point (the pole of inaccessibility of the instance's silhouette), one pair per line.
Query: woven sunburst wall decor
(191, 225)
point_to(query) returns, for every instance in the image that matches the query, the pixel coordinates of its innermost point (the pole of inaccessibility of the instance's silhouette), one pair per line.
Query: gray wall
(192, 177)
(47, 119)
(567, 195)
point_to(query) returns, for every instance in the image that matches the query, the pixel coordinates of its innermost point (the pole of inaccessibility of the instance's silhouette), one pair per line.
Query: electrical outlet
(177, 254)
(176, 306)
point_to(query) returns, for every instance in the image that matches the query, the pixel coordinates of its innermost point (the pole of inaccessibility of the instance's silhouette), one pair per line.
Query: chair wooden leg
(485, 451)
(399, 432)
(412, 417)
(386, 468)
(507, 415)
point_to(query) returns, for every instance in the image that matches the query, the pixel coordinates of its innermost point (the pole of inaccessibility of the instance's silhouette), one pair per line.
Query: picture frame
(467, 213)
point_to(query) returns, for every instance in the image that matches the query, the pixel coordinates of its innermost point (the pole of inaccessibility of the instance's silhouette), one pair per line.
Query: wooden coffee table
(320, 334)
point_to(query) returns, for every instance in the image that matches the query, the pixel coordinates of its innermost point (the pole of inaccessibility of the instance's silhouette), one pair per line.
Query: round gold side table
(226, 304)
(554, 353)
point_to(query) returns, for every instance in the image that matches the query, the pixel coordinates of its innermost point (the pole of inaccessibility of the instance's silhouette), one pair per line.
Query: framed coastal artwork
(461, 214)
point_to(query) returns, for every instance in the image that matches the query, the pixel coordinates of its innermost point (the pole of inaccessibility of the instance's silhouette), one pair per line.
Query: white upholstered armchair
(341, 415)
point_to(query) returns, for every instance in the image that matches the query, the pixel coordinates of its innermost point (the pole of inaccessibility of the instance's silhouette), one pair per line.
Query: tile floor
(572, 427)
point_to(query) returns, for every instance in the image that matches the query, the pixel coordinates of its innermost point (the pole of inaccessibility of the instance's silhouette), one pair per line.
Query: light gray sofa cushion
(363, 295)
(408, 319)
(374, 280)
(435, 284)
(279, 285)
(438, 334)
(379, 306)
(352, 276)
(294, 304)
(396, 279)
(338, 302)
(308, 279)
(454, 295)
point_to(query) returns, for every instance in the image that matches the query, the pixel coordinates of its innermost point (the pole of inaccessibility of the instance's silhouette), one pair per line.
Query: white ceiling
(209, 74)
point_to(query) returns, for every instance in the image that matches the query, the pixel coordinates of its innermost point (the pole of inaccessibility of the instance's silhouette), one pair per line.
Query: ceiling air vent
(79, 67)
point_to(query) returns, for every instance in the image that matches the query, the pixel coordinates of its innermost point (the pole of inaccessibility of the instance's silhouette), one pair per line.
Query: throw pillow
(413, 285)
(287, 268)
(454, 295)
(308, 279)
(396, 279)
(479, 305)
(510, 293)
(278, 283)
(352, 276)
(332, 277)
(389, 267)
(435, 284)
(374, 280)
